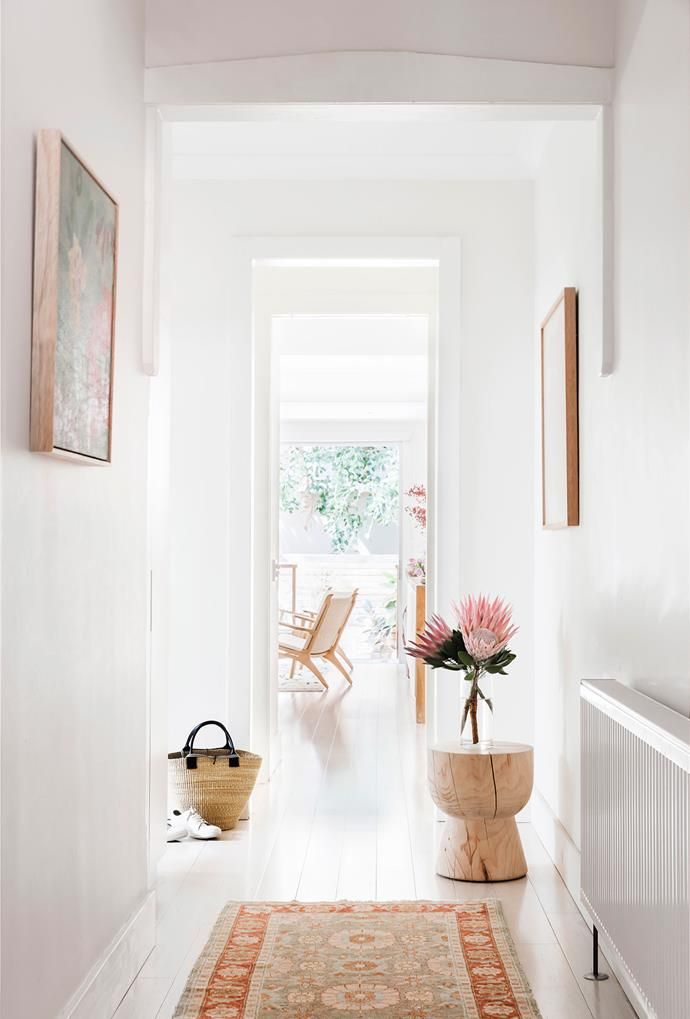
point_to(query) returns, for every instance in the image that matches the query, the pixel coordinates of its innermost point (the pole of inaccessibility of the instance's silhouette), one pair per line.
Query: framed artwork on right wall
(560, 478)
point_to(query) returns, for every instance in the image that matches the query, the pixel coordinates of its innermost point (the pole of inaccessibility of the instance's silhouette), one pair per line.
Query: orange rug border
(192, 1003)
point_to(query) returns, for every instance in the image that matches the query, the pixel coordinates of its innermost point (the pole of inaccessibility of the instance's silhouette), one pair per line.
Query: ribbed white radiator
(635, 864)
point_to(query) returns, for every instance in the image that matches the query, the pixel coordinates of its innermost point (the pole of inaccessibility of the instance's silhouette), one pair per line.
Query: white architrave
(250, 410)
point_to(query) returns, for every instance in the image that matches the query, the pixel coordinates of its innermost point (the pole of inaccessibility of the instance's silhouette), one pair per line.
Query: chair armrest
(297, 629)
(298, 615)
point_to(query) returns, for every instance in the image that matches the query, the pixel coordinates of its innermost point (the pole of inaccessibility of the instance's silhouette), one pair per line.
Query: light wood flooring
(347, 816)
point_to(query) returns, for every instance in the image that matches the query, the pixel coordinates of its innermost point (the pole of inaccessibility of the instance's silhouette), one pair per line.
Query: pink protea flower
(429, 643)
(486, 625)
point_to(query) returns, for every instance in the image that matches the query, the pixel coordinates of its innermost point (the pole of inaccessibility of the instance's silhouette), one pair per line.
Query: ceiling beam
(376, 78)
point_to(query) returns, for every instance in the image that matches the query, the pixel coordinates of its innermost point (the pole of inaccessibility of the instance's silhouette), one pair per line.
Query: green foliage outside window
(349, 488)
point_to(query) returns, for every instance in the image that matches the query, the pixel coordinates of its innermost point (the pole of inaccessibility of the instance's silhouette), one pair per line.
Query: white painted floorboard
(347, 816)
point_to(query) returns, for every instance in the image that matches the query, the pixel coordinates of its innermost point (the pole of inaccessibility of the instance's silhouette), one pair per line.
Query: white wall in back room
(74, 605)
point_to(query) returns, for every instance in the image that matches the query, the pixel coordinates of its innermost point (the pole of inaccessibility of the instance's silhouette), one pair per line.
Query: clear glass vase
(484, 716)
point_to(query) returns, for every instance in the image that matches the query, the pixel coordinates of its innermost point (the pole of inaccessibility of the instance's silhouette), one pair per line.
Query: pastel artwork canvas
(87, 240)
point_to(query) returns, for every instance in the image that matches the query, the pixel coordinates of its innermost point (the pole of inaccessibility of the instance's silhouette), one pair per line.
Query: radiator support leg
(595, 974)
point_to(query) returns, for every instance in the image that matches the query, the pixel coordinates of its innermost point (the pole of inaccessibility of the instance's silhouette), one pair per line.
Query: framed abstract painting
(559, 414)
(73, 337)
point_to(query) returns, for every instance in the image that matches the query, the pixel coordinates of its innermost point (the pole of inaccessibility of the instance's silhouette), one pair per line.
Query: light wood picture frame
(559, 414)
(75, 284)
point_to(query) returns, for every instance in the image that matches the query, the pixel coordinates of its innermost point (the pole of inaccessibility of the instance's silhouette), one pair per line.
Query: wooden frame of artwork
(75, 280)
(559, 414)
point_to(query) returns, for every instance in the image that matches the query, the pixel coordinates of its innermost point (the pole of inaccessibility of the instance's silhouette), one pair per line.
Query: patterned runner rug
(388, 960)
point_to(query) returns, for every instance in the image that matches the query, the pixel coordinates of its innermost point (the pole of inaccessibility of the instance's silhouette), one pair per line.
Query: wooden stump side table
(481, 789)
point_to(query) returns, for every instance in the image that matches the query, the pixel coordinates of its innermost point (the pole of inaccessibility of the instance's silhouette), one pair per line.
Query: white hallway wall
(74, 606)
(549, 31)
(496, 392)
(612, 596)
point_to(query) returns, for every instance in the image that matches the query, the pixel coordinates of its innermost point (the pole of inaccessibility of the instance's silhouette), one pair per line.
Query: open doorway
(344, 349)
(353, 458)
(241, 210)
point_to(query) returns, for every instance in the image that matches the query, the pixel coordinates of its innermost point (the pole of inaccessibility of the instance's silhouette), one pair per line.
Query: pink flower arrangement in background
(417, 510)
(477, 645)
(416, 568)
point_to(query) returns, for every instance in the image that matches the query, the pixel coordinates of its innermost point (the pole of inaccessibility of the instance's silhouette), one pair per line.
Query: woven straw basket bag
(217, 783)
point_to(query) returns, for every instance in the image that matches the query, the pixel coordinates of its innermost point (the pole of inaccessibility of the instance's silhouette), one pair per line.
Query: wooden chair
(306, 618)
(318, 636)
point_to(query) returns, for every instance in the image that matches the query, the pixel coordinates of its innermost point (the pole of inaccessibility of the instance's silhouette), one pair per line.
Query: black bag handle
(188, 748)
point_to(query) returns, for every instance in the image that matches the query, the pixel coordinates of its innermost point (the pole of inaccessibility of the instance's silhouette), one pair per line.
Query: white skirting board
(566, 857)
(107, 983)
(557, 842)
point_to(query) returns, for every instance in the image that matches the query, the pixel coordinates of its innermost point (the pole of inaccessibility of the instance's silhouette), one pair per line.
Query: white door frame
(420, 86)
(251, 468)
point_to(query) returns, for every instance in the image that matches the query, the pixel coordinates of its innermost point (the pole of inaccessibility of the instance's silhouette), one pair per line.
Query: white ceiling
(352, 367)
(394, 149)
(544, 31)
(392, 335)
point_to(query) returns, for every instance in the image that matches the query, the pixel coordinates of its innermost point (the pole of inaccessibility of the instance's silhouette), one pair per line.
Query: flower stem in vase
(471, 709)
(473, 718)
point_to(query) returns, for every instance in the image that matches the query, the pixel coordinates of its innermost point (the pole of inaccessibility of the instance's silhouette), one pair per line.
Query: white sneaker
(196, 826)
(177, 829)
